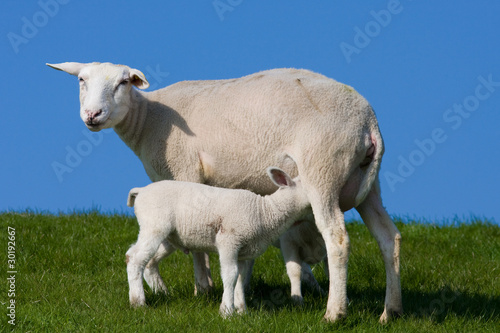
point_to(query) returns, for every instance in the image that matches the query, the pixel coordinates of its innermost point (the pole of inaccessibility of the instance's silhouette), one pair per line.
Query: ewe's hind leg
(204, 283)
(137, 258)
(388, 238)
(337, 247)
(323, 177)
(152, 272)
(330, 222)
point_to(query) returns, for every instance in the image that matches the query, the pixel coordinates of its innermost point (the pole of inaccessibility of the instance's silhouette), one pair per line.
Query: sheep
(238, 224)
(301, 246)
(272, 117)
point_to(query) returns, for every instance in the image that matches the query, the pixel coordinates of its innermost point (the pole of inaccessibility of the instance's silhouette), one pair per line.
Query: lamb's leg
(229, 274)
(388, 238)
(137, 258)
(310, 280)
(204, 283)
(239, 292)
(293, 268)
(152, 272)
(248, 274)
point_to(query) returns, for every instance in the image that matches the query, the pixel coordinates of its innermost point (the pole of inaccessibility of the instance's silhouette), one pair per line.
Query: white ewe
(237, 224)
(245, 125)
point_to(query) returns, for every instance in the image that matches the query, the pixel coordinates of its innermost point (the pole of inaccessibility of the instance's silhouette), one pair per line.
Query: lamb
(274, 117)
(301, 246)
(237, 224)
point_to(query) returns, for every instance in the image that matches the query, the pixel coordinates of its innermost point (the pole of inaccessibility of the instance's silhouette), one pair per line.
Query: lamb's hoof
(388, 315)
(323, 293)
(137, 303)
(155, 283)
(203, 290)
(241, 311)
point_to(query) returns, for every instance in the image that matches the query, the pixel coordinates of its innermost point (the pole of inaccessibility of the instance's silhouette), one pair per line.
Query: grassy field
(71, 277)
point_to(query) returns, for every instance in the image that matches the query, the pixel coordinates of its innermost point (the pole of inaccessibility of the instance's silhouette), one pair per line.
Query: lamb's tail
(373, 166)
(132, 195)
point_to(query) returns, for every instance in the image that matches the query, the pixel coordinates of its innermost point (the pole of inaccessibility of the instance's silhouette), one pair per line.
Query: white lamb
(275, 117)
(237, 224)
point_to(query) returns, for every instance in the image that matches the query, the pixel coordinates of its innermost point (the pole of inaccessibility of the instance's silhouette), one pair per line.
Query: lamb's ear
(279, 177)
(72, 68)
(138, 79)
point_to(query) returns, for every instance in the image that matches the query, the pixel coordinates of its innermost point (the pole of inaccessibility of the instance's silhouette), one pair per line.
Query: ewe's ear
(72, 68)
(138, 79)
(280, 177)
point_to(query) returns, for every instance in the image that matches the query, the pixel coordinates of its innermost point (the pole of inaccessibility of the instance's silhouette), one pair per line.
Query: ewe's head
(105, 91)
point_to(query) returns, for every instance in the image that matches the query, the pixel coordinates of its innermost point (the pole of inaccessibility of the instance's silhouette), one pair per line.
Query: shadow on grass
(435, 306)
(439, 304)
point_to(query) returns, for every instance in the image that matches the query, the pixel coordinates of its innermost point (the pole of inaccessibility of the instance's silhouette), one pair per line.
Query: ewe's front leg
(152, 272)
(204, 283)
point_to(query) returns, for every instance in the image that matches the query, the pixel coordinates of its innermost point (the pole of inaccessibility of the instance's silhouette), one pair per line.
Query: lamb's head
(105, 91)
(290, 191)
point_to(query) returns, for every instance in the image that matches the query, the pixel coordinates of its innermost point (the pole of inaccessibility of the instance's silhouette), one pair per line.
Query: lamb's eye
(124, 82)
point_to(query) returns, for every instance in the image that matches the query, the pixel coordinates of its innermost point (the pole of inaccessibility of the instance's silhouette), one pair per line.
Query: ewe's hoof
(388, 315)
(134, 303)
(226, 312)
(332, 317)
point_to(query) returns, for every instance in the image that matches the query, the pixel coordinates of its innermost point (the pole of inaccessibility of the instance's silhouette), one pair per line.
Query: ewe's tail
(132, 195)
(373, 167)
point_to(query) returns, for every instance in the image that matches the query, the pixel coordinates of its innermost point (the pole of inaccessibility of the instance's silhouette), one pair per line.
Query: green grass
(71, 277)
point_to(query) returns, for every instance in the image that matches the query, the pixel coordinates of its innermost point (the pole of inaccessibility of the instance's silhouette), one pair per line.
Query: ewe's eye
(124, 82)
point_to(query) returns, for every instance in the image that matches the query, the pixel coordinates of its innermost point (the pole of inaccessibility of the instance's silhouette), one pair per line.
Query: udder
(350, 190)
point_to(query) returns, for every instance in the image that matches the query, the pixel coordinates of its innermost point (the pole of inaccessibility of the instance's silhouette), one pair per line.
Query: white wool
(238, 224)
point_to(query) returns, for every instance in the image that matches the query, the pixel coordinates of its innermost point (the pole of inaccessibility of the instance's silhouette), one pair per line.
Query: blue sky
(431, 71)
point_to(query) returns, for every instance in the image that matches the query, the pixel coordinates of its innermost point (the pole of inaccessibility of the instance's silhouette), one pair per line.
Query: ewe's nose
(92, 114)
